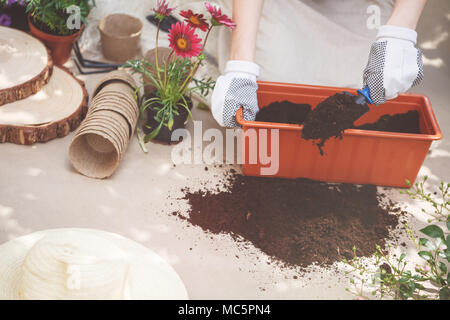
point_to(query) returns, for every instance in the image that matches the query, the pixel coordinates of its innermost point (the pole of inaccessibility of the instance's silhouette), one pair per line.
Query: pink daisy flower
(218, 18)
(195, 20)
(184, 41)
(162, 9)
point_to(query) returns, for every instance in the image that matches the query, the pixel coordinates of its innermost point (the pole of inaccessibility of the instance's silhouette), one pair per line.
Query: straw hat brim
(149, 278)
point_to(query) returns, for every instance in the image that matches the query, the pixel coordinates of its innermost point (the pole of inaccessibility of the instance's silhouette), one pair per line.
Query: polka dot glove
(236, 88)
(395, 64)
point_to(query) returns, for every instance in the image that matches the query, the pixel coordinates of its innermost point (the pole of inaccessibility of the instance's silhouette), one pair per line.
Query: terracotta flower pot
(120, 36)
(361, 157)
(60, 46)
(165, 134)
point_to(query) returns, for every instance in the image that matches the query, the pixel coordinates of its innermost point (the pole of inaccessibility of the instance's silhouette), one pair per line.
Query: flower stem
(156, 51)
(165, 67)
(188, 80)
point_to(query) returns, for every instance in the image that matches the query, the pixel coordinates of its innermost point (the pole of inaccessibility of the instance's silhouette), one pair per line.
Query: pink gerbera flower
(195, 20)
(184, 41)
(218, 18)
(162, 9)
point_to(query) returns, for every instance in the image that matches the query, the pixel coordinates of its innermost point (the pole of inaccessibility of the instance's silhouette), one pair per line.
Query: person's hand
(236, 89)
(395, 64)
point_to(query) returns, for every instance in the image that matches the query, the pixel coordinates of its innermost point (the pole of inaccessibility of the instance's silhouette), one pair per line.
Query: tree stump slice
(53, 112)
(25, 65)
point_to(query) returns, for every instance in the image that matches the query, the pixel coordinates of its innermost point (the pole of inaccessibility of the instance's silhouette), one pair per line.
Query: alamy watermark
(374, 19)
(74, 19)
(261, 147)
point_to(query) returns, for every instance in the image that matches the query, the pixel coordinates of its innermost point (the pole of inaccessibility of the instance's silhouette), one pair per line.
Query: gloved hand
(236, 88)
(395, 64)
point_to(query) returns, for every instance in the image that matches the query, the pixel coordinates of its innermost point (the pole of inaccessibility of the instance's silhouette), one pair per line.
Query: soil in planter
(331, 117)
(402, 123)
(295, 222)
(284, 112)
(164, 136)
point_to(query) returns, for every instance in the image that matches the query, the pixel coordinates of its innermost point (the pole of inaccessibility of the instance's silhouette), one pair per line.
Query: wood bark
(29, 87)
(30, 134)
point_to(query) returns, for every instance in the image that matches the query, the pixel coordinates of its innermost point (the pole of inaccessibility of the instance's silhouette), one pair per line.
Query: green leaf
(448, 225)
(402, 256)
(442, 267)
(433, 231)
(427, 243)
(170, 123)
(425, 255)
(444, 293)
(153, 134)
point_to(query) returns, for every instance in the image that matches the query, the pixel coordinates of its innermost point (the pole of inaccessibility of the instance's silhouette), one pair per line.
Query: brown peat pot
(120, 36)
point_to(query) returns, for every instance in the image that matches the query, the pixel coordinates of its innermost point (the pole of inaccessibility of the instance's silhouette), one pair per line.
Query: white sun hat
(64, 264)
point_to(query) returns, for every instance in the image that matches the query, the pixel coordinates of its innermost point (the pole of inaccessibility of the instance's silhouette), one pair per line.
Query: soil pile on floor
(295, 222)
(331, 117)
(284, 112)
(403, 123)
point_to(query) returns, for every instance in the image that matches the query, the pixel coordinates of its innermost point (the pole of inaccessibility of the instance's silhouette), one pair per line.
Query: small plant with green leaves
(441, 206)
(52, 15)
(174, 79)
(391, 276)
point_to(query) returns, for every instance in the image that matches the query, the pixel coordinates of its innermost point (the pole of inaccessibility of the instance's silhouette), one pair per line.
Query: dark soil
(18, 17)
(165, 134)
(403, 123)
(331, 117)
(295, 222)
(284, 112)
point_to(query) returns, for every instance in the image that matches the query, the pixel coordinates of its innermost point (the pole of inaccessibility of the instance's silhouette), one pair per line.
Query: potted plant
(172, 75)
(58, 23)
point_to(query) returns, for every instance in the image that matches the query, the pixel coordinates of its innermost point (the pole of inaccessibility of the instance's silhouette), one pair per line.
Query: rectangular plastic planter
(361, 157)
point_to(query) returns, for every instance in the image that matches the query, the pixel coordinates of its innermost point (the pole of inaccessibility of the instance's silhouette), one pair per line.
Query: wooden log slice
(25, 65)
(51, 113)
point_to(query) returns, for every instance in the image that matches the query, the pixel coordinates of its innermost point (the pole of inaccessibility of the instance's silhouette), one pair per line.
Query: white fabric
(311, 42)
(242, 66)
(389, 31)
(401, 68)
(86, 264)
(249, 71)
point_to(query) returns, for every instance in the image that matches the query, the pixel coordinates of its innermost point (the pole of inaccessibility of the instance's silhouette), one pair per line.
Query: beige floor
(39, 190)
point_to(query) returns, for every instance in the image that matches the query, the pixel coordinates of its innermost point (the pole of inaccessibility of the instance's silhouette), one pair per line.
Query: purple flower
(11, 2)
(5, 20)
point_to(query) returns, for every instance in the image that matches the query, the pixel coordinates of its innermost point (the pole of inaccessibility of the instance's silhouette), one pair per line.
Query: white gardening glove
(236, 89)
(395, 64)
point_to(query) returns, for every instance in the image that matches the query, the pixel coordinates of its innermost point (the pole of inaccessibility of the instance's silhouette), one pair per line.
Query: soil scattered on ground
(284, 112)
(331, 117)
(403, 122)
(295, 222)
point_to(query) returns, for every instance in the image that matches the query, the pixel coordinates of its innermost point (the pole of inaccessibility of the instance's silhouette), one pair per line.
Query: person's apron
(323, 42)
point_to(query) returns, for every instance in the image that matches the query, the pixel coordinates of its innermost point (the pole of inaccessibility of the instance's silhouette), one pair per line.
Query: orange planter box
(361, 157)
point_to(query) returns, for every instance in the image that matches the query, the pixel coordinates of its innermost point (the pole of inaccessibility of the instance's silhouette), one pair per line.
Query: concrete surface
(39, 190)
